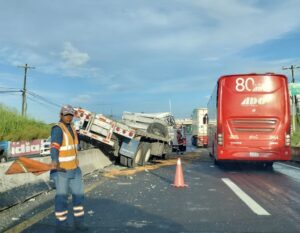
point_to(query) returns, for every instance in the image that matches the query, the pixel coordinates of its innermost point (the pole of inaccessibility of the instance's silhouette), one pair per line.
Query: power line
(40, 102)
(41, 98)
(8, 91)
(31, 95)
(9, 88)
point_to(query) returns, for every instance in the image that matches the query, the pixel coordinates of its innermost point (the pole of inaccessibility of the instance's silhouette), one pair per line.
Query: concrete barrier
(20, 187)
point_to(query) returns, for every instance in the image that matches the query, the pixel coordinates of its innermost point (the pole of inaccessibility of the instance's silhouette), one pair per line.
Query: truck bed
(151, 136)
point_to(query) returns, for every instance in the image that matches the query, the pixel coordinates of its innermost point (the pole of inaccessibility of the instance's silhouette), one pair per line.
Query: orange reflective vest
(68, 149)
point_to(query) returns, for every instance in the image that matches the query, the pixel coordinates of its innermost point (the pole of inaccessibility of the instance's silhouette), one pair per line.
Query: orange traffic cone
(179, 180)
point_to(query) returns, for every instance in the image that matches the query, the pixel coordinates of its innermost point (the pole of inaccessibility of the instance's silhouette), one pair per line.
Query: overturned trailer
(131, 146)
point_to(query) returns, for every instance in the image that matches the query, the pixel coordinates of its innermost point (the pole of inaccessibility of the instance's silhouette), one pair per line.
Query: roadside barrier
(18, 188)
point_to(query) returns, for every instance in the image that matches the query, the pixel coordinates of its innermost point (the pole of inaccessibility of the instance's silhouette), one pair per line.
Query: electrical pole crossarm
(292, 68)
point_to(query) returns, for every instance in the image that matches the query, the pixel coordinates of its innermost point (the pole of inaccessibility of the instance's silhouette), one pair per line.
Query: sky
(138, 55)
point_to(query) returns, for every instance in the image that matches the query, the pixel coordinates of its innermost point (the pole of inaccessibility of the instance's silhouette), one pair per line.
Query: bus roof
(251, 74)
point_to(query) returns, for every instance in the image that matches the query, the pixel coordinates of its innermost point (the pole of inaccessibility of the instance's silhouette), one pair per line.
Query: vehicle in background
(4, 151)
(45, 147)
(131, 146)
(12, 150)
(249, 119)
(199, 127)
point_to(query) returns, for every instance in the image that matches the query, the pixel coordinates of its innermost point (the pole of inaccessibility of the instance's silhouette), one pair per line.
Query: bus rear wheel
(268, 165)
(216, 162)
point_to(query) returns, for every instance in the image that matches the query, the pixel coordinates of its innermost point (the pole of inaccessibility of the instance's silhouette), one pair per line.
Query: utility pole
(292, 68)
(24, 104)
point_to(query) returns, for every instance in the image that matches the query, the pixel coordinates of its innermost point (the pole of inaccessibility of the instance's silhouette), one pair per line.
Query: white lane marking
(253, 205)
(286, 165)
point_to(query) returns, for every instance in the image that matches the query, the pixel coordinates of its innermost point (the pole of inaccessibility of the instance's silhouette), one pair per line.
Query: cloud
(142, 48)
(72, 57)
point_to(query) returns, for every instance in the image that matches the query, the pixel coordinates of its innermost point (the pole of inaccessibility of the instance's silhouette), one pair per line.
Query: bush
(14, 127)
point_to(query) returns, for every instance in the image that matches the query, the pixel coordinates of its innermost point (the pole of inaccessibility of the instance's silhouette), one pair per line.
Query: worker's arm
(56, 141)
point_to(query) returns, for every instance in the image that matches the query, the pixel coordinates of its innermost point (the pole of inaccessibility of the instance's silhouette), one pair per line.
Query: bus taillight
(220, 139)
(287, 139)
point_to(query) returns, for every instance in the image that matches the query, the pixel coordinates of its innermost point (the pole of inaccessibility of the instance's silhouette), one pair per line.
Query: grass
(296, 134)
(14, 127)
(296, 139)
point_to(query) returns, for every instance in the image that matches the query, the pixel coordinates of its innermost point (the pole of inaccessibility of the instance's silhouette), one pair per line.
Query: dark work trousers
(69, 180)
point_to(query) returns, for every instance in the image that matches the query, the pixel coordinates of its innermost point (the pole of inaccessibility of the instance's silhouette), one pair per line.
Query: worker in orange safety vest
(66, 173)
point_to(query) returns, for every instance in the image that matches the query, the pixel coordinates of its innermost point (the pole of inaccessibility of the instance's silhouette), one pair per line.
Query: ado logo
(253, 101)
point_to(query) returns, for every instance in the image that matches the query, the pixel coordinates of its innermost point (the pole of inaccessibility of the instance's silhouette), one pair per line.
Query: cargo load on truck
(142, 121)
(127, 143)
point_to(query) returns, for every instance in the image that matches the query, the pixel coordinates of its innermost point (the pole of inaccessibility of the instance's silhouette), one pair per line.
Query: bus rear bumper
(255, 155)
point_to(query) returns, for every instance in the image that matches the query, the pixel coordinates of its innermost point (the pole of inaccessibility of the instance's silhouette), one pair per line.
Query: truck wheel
(158, 129)
(165, 156)
(123, 160)
(137, 158)
(84, 145)
(146, 153)
(182, 148)
(3, 159)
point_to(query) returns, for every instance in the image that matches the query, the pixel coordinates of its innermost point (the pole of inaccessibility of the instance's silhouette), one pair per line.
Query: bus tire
(268, 165)
(216, 162)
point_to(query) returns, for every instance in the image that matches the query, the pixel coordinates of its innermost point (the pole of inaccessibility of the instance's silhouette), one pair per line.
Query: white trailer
(199, 127)
(143, 120)
(130, 145)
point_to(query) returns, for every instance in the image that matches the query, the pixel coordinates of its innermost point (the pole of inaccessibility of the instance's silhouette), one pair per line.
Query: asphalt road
(233, 198)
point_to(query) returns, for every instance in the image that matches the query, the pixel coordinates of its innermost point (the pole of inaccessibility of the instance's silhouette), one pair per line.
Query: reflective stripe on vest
(68, 150)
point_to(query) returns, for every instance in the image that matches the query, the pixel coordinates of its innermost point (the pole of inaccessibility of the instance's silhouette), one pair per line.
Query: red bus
(249, 119)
